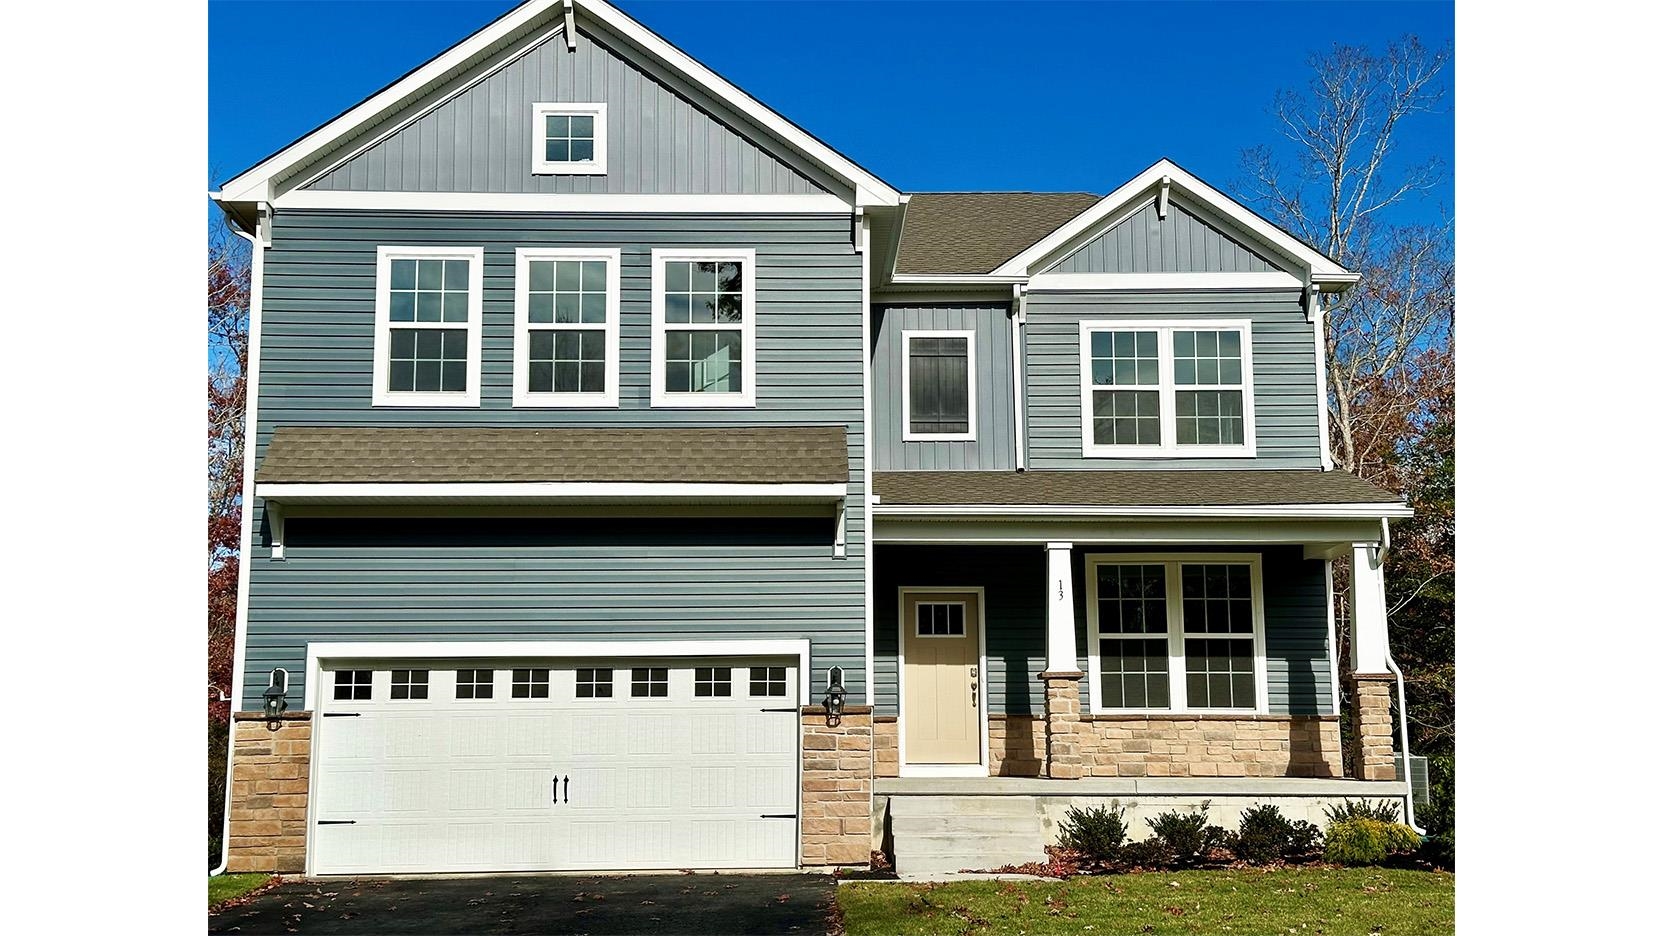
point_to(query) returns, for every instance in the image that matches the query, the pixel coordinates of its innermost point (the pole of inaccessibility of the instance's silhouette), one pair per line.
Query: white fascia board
(256, 183)
(956, 279)
(567, 491)
(1250, 511)
(553, 203)
(1318, 265)
(1106, 282)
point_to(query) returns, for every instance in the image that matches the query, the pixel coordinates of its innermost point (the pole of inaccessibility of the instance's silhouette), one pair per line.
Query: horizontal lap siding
(316, 351)
(1284, 373)
(994, 448)
(1296, 621)
(658, 140)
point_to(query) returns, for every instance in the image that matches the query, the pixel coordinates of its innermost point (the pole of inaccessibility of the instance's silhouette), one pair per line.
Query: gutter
(1402, 701)
(1019, 317)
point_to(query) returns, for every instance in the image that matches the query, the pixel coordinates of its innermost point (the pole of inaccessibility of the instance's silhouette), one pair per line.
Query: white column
(1368, 610)
(1060, 655)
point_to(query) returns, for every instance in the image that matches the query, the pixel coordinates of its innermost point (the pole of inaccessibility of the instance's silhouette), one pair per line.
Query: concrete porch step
(935, 835)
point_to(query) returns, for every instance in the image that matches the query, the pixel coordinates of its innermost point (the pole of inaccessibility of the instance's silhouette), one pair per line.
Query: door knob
(975, 685)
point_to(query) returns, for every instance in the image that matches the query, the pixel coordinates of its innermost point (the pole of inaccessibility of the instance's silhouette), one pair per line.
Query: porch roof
(1131, 489)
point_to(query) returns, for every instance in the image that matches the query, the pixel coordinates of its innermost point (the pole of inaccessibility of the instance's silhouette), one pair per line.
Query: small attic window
(568, 139)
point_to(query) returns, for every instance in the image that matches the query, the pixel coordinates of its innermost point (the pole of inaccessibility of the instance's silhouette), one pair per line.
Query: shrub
(1438, 850)
(1365, 841)
(1379, 811)
(1096, 833)
(1187, 836)
(1266, 835)
(1149, 853)
(1303, 839)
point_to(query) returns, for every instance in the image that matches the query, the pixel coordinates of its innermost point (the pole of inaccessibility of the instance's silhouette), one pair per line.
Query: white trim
(300, 493)
(979, 769)
(747, 329)
(317, 653)
(1100, 282)
(1140, 185)
(540, 165)
(867, 499)
(907, 433)
(957, 279)
(556, 203)
(1019, 414)
(1319, 325)
(1175, 635)
(523, 257)
(1254, 511)
(1167, 388)
(257, 182)
(384, 257)
(1333, 647)
(1137, 533)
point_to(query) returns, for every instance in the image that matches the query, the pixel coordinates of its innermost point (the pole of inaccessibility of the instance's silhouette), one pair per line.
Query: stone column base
(1369, 755)
(271, 767)
(837, 787)
(1063, 760)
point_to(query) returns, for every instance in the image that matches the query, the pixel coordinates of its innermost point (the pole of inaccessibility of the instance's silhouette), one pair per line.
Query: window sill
(591, 169)
(1211, 713)
(1143, 451)
(938, 437)
(566, 400)
(703, 401)
(427, 400)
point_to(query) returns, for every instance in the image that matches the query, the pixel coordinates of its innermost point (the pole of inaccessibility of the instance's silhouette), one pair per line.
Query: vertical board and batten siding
(1295, 603)
(994, 448)
(1181, 243)
(744, 579)
(659, 141)
(1284, 372)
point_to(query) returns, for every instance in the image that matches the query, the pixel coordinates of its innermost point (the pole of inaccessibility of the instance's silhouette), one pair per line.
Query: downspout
(1019, 316)
(1402, 697)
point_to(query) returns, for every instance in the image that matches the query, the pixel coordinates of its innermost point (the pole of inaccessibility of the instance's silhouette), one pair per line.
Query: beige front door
(941, 641)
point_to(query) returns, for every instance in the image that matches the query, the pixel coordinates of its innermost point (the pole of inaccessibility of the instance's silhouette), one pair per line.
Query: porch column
(1370, 756)
(1062, 668)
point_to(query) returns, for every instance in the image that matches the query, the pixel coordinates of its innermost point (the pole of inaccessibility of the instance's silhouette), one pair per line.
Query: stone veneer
(270, 771)
(1065, 742)
(837, 786)
(1370, 756)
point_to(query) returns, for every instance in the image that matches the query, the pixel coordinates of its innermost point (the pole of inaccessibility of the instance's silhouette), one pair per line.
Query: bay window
(1166, 389)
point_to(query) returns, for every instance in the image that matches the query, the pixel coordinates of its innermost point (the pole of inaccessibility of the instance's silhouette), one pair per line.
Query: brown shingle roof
(974, 232)
(771, 455)
(1127, 488)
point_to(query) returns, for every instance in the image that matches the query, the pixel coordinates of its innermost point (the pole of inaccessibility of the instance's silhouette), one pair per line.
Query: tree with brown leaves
(228, 293)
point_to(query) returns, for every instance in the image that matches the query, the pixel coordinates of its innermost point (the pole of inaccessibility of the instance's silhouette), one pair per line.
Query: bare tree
(228, 295)
(1338, 178)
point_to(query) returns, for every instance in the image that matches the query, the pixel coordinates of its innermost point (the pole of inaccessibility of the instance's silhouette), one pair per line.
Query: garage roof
(1110, 488)
(769, 455)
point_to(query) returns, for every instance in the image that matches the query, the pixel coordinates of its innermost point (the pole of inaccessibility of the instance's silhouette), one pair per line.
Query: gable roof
(973, 232)
(258, 183)
(1144, 187)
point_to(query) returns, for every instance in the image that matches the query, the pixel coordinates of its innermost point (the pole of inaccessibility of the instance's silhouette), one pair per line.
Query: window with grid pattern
(713, 681)
(649, 682)
(475, 683)
(530, 684)
(1125, 359)
(704, 311)
(1210, 362)
(352, 685)
(1218, 635)
(427, 298)
(1165, 389)
(768, 681)
(409, 684)
(940, 618)
(1132, 636)
(566, 321)
(568, 138)
(594, 684)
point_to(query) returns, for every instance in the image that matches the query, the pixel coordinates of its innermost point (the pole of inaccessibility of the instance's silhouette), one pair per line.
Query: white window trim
(384, 257)
(540, 165)
(523, 256)
(1167, 389)
(907, 433)
(747, 329)
(963, 610)
(1178, 688)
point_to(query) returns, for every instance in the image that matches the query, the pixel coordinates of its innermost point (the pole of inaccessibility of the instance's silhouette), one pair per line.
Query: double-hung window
(568, 139)
(566, 326)
(1175, 633)
(427, 326)
(938, 392)
(1166, 389)
(704, 328)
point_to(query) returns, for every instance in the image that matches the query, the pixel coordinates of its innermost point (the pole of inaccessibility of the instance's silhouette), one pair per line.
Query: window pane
(1134, 673)
(430, 274)
(1210, 417)
(678, 276)
(540, 308)
(557, 151)
(593, 308)
(583, 150)
(557, 125)
(1124, 359)
(583, 126)
(1219, 672)
(594, 276)
(1126, 417)
(404, 274)
(541, 275)
(402, 307)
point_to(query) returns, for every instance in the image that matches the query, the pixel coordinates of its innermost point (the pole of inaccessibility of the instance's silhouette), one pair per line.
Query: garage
(533, 764)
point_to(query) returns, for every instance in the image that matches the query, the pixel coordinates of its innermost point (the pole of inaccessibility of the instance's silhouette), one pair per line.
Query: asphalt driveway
(540, 904)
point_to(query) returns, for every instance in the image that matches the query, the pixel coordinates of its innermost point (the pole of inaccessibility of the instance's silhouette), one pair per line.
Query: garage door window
(712, 681)
(475, 683)
(352, 685)
(767, 680)
(409, 684)
(531, 684)
(650, 682)
(594, 684)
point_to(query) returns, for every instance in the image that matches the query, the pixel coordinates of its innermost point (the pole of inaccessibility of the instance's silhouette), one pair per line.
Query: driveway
(540, 904)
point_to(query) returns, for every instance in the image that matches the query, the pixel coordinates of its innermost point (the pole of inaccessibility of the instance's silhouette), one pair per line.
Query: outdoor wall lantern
(274, 697)
(835, 694)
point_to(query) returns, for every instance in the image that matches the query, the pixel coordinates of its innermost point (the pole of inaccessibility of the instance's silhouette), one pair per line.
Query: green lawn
(1307, 901)
(226, 886)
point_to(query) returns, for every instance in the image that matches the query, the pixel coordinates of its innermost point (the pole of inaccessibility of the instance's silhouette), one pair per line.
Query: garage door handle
(337, 822)
(568, 782)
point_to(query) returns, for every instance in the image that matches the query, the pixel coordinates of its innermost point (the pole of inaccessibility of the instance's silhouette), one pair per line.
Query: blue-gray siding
(1183, 242)
(662, 135)
(994, 447)
(315, 348)
(1296, 621)
(1284, 372)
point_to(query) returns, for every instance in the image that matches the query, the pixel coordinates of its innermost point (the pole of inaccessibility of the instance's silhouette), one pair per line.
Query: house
(637, 482)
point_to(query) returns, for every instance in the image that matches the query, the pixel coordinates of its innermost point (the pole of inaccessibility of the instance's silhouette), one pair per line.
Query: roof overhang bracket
(570, 14)
(840, 542)
(274, 524)
(1164, 198)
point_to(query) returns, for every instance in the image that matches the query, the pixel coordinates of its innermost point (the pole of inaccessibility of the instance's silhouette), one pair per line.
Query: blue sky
(931, 96)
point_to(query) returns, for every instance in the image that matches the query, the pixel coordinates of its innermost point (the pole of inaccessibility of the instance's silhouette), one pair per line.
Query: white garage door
(428, 766)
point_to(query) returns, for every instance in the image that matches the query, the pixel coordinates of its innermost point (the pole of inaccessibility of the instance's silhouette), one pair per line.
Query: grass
(1309, 901)
(229, 886)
